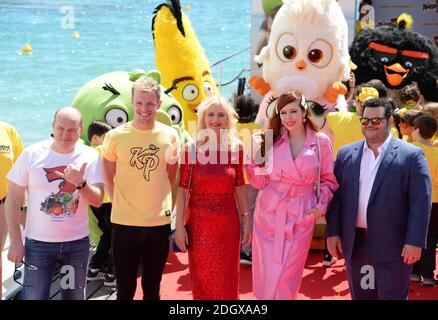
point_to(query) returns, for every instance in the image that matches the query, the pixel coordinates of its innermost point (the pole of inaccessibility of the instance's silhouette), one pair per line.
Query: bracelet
(81, 185)
(245, 213)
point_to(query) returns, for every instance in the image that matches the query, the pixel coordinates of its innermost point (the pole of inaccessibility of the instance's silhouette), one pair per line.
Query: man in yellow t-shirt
(425, 127)
(140, 167)
(10, 148)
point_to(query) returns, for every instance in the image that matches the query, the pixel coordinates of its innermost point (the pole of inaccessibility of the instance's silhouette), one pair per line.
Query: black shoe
(245, 258)
(110, 280)
(328, 260)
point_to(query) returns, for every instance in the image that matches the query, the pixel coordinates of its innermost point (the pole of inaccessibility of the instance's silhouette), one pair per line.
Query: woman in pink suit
(287, 205)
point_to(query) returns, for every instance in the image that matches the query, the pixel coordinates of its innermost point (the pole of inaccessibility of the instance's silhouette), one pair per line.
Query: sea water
(114, 35)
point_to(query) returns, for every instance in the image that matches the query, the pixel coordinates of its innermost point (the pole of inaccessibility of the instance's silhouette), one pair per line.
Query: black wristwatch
(82, 185)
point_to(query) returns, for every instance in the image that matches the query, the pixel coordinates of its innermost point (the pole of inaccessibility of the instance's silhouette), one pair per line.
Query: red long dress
(213, 226)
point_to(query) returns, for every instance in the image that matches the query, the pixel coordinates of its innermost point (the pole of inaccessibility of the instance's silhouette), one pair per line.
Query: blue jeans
(41, 259)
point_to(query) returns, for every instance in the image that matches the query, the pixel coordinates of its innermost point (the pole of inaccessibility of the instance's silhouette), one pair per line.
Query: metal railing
(219, 63)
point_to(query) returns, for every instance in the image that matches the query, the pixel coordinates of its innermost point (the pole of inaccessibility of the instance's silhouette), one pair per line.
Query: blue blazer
(399, 206)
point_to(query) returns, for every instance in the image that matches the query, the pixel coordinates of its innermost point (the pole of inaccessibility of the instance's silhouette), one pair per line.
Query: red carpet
(319, 283)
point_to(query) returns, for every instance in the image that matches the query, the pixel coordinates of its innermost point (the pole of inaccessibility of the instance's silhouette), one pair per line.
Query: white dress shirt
(368, 170)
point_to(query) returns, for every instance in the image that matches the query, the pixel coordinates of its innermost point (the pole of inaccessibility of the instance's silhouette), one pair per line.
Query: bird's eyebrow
(205, 73)
(382, 48)
(177, 80)
(415, 54)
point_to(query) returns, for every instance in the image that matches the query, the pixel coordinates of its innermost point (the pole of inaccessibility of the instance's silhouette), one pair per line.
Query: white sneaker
(429, 282)
(245, 259)
(95, 274)
(415, 277)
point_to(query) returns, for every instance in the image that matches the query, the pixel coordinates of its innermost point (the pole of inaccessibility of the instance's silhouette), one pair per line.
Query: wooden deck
(95, 289)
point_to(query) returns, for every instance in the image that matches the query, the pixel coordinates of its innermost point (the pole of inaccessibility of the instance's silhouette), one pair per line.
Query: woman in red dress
(210, 229)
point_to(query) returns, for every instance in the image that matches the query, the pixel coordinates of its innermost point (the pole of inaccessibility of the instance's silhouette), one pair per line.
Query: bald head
(69, 114)
(67, 128)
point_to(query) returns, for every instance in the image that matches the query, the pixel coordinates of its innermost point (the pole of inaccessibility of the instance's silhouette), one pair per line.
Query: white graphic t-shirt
(56, 212)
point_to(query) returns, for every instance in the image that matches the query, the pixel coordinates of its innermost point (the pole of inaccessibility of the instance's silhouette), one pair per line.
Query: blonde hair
(230, 115)
(146, 84)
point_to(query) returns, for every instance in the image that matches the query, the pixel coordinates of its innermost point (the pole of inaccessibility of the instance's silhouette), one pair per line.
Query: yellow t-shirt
(346, 128)
(99, 148)
(10, 148)
(431, 154)
(142, 190)
(394, 132)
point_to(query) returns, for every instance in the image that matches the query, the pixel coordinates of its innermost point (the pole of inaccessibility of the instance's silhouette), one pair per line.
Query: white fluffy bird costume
(307, 51)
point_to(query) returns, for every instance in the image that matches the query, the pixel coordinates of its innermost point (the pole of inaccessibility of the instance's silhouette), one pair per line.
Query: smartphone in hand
(175, 247)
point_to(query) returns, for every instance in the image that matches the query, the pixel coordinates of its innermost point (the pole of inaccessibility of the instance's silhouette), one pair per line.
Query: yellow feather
(407, 19)
(178, 56)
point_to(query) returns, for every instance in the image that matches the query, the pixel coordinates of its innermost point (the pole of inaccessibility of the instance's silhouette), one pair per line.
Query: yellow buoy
(187, 7)
(75, 34)
(27, 49)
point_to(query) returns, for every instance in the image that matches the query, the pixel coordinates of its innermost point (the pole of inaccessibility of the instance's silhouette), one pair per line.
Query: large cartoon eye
(175, 114)
(287, 47)
(208, 89)
(115, 117)
(190, 92)
(384, 59)
(315, 55)
(408, 64)
(317, 109)
(320, 53)
(289, 52)
(270, 110)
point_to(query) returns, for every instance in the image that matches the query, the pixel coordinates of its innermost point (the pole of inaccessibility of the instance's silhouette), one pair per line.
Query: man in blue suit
(379, 215)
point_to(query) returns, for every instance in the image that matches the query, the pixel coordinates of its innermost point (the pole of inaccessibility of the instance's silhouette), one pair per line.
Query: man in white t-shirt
(62, 177)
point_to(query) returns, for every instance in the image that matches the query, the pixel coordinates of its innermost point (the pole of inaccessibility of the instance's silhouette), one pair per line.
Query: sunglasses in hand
(18, 273)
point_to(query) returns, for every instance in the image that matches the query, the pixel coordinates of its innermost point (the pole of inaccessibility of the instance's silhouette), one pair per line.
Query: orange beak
(395, 74)
(301, 65)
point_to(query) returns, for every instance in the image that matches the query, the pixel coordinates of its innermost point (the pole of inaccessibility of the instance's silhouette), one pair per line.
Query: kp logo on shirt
(63, 203)
(145, 159)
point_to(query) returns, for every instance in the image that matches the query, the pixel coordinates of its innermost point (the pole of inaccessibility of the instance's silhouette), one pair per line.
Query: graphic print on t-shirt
(145, 159)
(65, 201)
